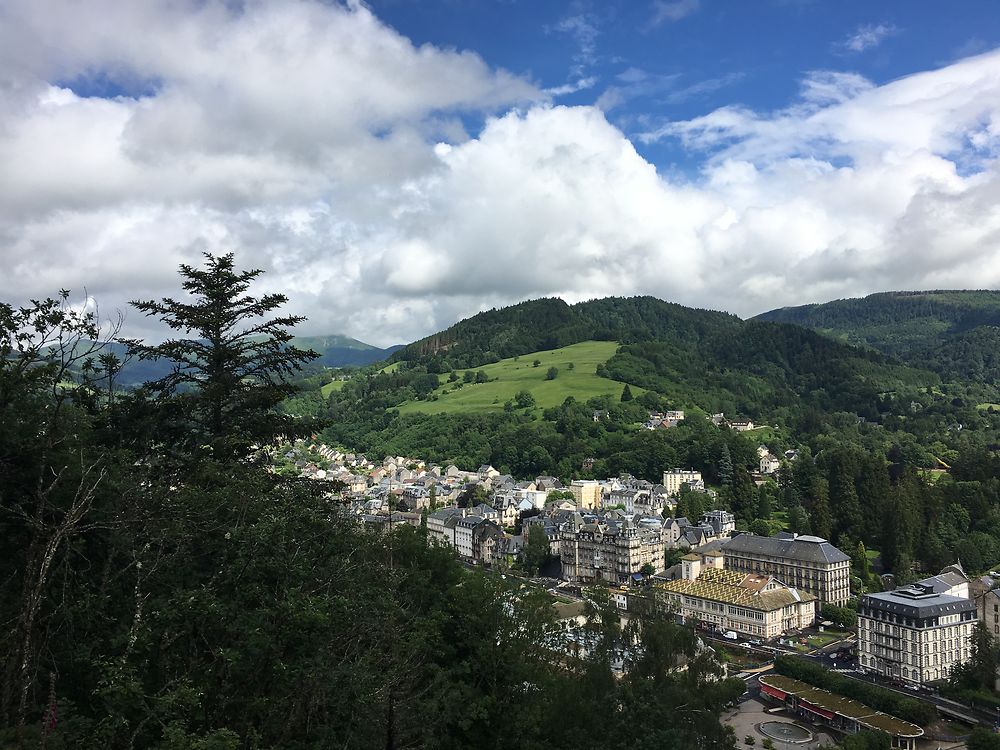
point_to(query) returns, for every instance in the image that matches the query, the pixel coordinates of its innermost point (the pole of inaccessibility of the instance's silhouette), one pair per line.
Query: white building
(769, 463)
(673, 479)
(750, 604)
(915, 633)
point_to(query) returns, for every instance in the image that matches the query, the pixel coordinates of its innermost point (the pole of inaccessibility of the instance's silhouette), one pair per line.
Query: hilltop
(806, 385)
(546, 324)
(954, 332)
(697, 358)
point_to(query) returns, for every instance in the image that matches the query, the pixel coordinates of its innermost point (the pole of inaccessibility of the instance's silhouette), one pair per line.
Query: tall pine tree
(232, 367)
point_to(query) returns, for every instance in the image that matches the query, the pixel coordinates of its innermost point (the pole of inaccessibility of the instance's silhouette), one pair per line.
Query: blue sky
(677, 60)
(395, 166)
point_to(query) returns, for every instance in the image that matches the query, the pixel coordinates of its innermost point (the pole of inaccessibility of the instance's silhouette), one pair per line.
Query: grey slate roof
(917, 601)
(944, 581)
(803, 548)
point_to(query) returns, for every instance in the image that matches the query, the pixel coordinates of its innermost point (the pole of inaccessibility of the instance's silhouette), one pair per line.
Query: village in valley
(753, 598)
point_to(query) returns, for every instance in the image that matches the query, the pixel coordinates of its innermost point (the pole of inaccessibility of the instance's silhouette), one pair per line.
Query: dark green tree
(798, 520)
(725, 466)
(536, 548)
(821, 518)
(524, 400)
(626, 393)
(983, 739)
(227, 378)
(552, 373)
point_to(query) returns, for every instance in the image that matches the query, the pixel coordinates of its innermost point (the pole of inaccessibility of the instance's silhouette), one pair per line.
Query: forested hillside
(545, 324)
(953, 332)
(803, 383)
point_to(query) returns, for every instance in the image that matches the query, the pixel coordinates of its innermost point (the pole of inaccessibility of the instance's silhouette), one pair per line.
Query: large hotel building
(916, 633)
(807, 563)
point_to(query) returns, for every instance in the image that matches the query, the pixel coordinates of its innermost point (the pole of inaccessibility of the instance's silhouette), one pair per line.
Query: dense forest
(161, 589)
(955, 333)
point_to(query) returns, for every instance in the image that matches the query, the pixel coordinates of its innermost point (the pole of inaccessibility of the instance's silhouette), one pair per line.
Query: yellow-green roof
(864, 715)
(724, 586)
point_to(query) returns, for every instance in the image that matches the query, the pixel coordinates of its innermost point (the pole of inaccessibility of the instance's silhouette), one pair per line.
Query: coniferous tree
(226, 380)
(725, 466)
(821, 516)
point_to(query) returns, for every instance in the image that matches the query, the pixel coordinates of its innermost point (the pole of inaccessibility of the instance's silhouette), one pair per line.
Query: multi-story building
(587, 493)
(673, 479)
(808, 563)
(914, 633)
(721, 521)
(606, 549)
(754, 605)
(438, 527)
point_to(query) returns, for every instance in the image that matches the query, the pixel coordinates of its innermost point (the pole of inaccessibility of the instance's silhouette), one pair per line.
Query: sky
(395, 166)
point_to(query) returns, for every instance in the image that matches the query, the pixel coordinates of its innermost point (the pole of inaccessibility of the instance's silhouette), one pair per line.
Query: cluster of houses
(740, 425)
(617, 531)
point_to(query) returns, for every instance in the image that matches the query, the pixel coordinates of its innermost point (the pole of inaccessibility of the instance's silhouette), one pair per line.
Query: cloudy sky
(397, 165)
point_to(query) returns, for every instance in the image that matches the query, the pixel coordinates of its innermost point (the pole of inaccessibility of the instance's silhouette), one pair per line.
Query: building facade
(914, 633)
(673, 479)
(586, 493)
(808, 563)
(608, 551)
(757, 606)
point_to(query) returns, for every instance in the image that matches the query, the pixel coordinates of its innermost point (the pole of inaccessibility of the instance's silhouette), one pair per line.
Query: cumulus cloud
(391, 189)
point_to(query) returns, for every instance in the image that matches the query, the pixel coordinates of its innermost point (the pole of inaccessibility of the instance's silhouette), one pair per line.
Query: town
(758, 596)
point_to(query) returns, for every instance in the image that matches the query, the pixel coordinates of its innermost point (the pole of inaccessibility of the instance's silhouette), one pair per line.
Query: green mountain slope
(545, 324)
(952, 332)
(692, 358)
(577, 378)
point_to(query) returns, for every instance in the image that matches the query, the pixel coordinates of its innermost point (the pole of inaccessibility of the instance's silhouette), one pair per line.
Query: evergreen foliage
(225, 383)
(955, 333)
(204, 602)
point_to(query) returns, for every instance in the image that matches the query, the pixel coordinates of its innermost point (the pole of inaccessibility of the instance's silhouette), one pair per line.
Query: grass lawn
(509, 376)
(820, 639)
(333, 385)
(987, 405)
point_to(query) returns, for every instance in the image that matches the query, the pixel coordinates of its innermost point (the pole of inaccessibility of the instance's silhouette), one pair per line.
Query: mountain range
(335, 351)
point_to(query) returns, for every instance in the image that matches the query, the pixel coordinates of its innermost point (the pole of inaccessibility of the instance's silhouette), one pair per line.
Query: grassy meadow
(508, 376)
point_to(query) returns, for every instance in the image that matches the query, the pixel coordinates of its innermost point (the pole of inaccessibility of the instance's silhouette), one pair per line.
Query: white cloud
(665, 11)
(571, 88)
(867, 36)
(583, 28)
(324, 147)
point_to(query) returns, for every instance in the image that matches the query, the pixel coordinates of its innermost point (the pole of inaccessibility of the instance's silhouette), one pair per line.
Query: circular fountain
(785, 731)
